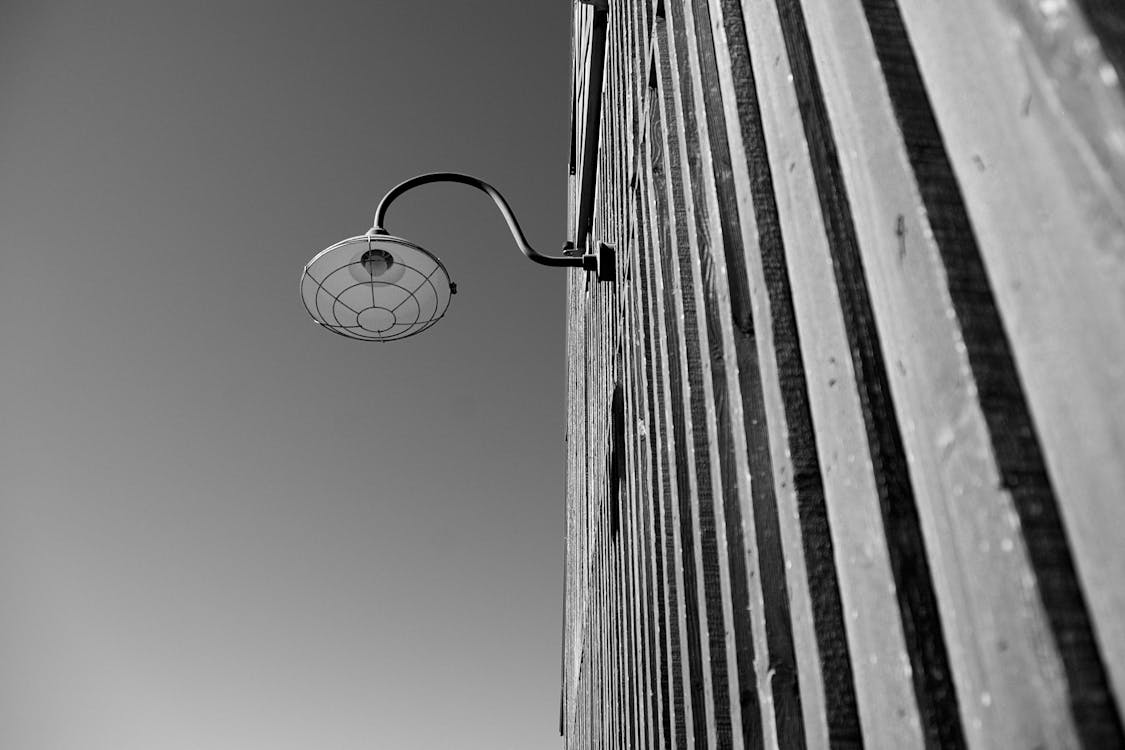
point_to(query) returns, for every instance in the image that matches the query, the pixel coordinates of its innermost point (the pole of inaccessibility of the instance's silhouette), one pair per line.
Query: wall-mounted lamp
(377, 287)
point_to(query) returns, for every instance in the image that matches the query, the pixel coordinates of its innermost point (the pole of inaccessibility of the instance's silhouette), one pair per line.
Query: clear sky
(222, 528)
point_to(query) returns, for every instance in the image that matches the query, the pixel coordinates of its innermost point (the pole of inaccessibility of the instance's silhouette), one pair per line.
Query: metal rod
(505, 210)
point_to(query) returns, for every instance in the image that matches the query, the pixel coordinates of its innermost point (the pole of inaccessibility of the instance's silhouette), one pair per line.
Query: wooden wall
(846, 439)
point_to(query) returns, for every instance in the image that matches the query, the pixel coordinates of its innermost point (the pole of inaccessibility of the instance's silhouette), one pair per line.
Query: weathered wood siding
(846, 439)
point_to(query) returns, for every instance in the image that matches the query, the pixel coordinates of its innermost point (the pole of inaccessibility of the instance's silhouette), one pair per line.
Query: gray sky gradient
(220, 527)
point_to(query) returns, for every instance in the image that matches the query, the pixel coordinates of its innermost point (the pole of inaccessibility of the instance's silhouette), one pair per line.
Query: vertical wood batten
(719, 242)
(828, 698)
(727, 530)
(635, 490)
(672, 687)
(604, 226)
(640, 672)
(636, 484)
(597, 590)
(921, 619)
(697, 513)
(650, 589)
(1061, 293)
(732, 632)
(976, 463)
(867, 310)
(678, 469)
(662, 673)
(568, 645)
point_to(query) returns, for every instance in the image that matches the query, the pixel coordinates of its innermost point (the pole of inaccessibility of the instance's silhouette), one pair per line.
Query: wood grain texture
(828, 695)
(681, 269)
(845, 442)
(1061, 295)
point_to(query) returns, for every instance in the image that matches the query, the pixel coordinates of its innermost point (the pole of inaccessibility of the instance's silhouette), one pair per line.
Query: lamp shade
(375, 287)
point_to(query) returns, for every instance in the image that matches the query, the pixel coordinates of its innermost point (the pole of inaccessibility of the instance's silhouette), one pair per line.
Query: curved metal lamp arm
(589, 261)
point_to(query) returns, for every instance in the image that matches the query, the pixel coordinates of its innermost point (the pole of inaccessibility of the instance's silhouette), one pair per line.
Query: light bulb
(374, 265)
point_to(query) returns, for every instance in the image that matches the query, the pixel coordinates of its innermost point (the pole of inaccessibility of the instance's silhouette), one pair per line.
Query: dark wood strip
(655, 634)
(649, 587)
(674, 725)
(634, 488)
(658, 676)
(934, 689)
(1014, 439)
(692, 469)
(784, 684)
(684, 286)
(828, 616)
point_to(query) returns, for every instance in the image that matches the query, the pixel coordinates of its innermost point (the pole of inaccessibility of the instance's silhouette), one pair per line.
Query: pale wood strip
(924, 624)
(632, 82)
(827, 700)
(661, 672)
(995, 626)
(633, 651)
(884, 690)
(677, 702)
(751, 509)
(568, 645)
(1051, 231)
(643, 428)
(703, 143)
(680, 466)
(700, 557)
(637, 483)
(576, 553)
(610, 230)
(636, 474)
(602, 226)
(739, 611)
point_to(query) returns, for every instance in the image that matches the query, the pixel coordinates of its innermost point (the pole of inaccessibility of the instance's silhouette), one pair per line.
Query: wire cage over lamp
(376, 287)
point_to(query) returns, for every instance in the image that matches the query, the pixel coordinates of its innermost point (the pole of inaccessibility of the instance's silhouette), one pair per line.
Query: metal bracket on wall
(590, 128)
(600, 257)
(606, 257)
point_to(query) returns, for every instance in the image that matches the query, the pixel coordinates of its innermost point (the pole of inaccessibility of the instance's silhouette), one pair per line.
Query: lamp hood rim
(369, 237)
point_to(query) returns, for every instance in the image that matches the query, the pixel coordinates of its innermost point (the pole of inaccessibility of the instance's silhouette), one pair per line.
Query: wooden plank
(637, 489)
(729, 637)
(884, 690)
(954, 381)
(920, 573)
(601, 225)
(719, 244)
(1051, 231)
(639, 493)
(700, 710)
(583, 635)
(701, 452)
(665, 722)
(817, 610)
(908, 537)
(576, 432)
(596, 457)
(659, 655)
(653, 635)
(631, 553)
(677, 701)
(626, 555)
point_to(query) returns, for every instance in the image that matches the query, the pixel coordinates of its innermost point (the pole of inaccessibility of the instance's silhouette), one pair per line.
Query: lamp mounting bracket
(600, 259)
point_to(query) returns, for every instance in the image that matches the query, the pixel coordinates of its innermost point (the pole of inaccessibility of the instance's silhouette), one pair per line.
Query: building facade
(846, 436)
